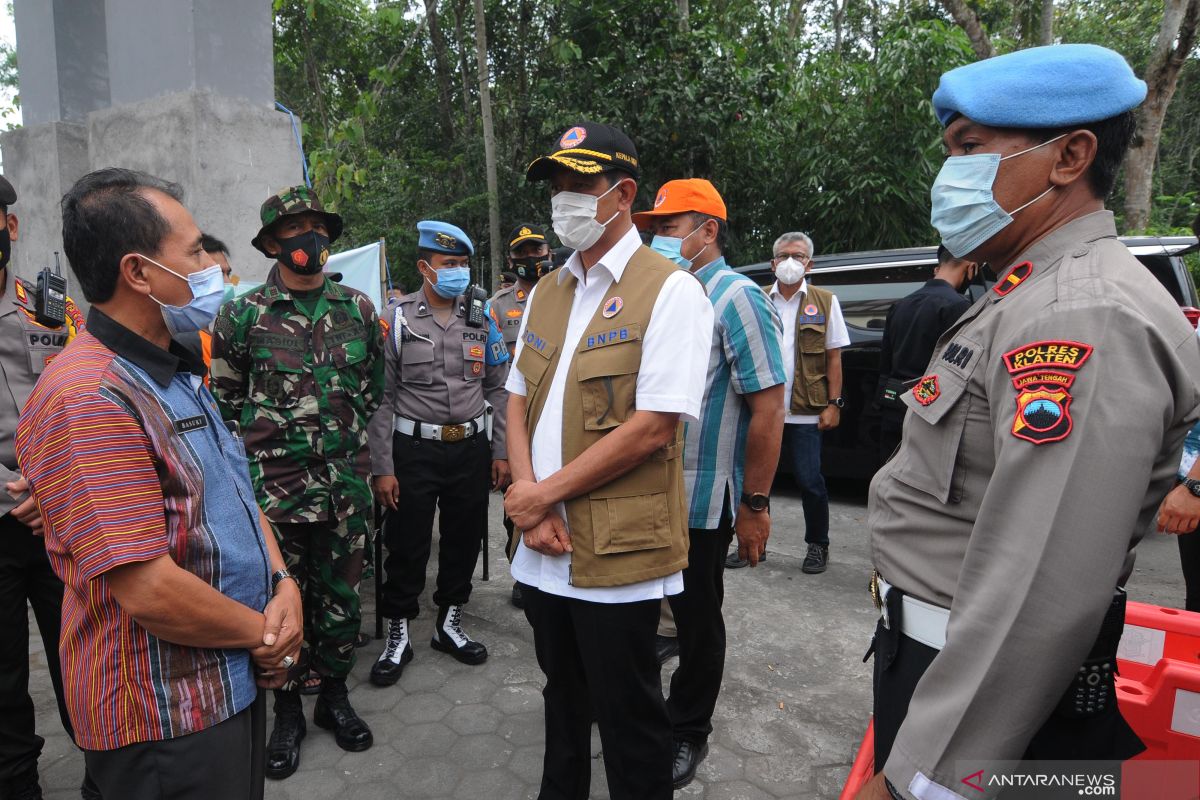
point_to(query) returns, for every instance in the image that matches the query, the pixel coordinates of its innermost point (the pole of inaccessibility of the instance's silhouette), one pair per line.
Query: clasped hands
(530, 508)
(283, 631)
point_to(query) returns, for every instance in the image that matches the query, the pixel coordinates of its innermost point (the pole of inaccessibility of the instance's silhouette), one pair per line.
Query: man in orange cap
(729, 455)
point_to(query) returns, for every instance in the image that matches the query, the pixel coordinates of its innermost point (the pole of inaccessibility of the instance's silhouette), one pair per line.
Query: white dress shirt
(671, 379)
(836, 336)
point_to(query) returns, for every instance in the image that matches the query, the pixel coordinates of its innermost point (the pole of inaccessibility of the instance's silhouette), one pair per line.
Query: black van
(866, 285)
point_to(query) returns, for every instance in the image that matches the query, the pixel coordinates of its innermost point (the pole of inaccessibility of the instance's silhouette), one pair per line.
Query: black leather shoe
(449, 637)
(687, 758)
(334, 713)
(88, 789)
(396, 653)
(816, 560)
(732, 561)
(283, 748)
(518, 599)
(667, 647)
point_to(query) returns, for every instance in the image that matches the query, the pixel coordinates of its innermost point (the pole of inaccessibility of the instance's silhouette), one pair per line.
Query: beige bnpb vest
(810, 386)
(633, 528)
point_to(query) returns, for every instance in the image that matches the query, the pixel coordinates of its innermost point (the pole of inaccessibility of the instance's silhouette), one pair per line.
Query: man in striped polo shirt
(729, 457)
(176, 602)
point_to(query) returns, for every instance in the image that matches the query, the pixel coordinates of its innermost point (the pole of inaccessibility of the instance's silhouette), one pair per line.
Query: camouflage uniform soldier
(296, 363)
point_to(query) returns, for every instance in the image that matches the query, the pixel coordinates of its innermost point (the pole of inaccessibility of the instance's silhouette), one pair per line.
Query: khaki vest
(810, 388)
(633, 528)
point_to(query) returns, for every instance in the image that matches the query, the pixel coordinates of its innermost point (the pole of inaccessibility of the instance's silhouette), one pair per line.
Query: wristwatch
(280, 575)
(757, 501)
(1193, 486)
(839, 402)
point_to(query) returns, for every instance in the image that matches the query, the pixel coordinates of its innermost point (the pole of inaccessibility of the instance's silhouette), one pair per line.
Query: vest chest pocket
(533, 363)
(608, 382)
(416, 362)
(631, 513)
(812, 338)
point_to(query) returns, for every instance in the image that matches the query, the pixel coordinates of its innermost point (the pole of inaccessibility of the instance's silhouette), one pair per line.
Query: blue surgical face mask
(672, 247)
(208, 288)
(965, 212)
(452, 281)
(227, 293)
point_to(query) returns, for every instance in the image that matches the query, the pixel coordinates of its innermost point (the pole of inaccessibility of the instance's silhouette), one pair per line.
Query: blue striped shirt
(745, 358)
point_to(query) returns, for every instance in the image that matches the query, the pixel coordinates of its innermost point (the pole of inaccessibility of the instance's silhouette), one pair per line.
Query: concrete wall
(63, 57)
(170, 46)
(228, 156)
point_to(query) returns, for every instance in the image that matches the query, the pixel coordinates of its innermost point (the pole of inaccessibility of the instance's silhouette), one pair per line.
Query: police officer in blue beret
(1038, 443)
(445, 362)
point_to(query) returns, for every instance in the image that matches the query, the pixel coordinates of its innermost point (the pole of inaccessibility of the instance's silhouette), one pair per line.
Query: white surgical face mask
(574, 218)
(789, 271)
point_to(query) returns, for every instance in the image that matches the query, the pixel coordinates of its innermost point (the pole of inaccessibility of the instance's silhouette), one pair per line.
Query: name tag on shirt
(190, 424)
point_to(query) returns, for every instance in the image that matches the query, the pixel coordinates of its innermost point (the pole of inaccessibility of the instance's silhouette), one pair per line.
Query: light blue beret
(1041, 87)
(442, 237)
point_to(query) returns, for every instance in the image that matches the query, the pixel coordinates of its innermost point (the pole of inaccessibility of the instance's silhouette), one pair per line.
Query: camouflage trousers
(327, 560)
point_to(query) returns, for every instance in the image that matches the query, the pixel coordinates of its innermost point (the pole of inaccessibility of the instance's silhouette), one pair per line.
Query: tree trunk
(489, 142)
(1046, 33)
(1176, 36)
(460, 12)
(795, 21)
(968, 20)
(441, 69)
(682, 7)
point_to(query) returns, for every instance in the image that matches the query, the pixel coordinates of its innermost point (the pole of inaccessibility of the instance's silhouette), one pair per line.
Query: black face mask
(305, 254)
(5, 247)
(531, 268)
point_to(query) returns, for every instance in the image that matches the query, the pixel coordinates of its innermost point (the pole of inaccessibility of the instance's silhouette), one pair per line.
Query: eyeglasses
(798, 256)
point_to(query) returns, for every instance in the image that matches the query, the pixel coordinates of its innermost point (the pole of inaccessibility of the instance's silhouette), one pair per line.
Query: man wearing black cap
(613, 351)
(528, 260)
(29, 339)
(296, 365)
(1036, 448)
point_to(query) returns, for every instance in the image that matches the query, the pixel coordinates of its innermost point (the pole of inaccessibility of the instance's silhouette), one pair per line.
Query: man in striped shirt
(729, 457)
(149, 516)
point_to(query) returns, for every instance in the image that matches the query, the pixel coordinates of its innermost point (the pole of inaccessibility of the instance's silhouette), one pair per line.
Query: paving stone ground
(793, 708)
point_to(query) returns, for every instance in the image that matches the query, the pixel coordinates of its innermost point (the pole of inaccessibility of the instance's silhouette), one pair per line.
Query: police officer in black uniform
(910, 333)
(32, 332)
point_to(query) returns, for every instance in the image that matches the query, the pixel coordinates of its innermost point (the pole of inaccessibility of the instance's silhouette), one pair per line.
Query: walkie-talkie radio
(476, 306)
(50, 308)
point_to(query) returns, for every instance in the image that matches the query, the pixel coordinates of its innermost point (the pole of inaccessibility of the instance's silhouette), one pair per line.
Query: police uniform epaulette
(24, 293)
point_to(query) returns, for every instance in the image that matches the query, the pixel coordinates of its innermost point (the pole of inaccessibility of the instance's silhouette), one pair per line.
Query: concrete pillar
(182, 89)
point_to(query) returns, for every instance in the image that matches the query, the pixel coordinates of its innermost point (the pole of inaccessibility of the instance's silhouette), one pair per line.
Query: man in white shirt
(813, 335)
(612, 356)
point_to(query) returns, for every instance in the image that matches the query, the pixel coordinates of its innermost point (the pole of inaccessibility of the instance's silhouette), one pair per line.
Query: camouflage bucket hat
(293, 200)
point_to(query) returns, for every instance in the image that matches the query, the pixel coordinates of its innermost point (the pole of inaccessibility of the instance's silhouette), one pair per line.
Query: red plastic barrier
(1153, 633)
(863, 768)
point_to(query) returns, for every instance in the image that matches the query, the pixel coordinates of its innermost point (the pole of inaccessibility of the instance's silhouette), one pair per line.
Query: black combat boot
(283, 748)
(449, 637)
(334, 713)
(396, 653)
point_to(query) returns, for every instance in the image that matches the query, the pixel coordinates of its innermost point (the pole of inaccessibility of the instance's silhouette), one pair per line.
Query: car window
(866, 294)
(1163, 268)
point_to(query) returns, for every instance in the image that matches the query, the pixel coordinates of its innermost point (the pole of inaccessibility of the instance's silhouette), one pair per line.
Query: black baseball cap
(526, 232)
(588, 148)
(8, 195)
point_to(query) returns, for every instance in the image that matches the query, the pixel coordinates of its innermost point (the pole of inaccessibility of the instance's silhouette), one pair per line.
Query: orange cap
(681, 196)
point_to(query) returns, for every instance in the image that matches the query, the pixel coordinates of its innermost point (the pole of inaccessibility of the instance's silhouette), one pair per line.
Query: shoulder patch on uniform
(1015, 277)
(927, 390)
(1054, 353)
(1043, 407)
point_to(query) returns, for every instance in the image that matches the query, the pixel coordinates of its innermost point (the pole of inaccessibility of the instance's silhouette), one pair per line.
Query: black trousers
(696, 684)
(218, 762)
(25, 577)
(899, 664)
(455, 479)
(600, 664)
(1189, 559)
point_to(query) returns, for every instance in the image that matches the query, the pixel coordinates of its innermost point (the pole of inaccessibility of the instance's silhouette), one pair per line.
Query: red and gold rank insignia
(1015, 277)
(927, 390)
(385, 326)
(476, 351)
(513, 313)
(22, 297)
(1042, 375)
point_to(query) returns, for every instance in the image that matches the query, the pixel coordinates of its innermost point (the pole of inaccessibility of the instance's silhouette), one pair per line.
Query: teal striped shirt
(745, 358)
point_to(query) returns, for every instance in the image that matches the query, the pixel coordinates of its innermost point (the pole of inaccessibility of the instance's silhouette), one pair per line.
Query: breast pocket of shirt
(608, 381)
(416, 362)
(931, 459)
(472, 353)
(276, 385)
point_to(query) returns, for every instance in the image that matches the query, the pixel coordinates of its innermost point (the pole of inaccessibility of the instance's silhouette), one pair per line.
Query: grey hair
(789, 238)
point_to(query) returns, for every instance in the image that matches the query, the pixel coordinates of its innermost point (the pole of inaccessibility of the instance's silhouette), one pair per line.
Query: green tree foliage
(807, 115)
